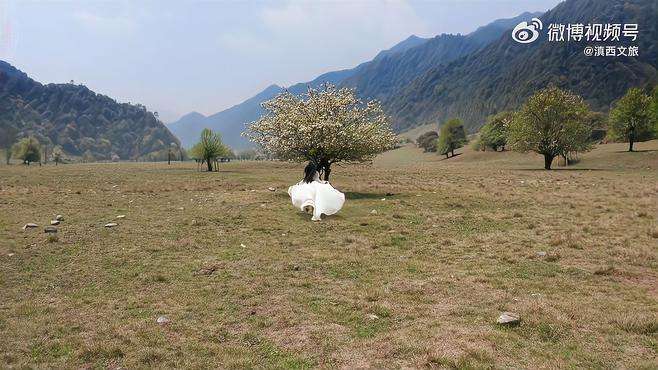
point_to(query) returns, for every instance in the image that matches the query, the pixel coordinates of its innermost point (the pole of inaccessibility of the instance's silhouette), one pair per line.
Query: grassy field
(248, 281)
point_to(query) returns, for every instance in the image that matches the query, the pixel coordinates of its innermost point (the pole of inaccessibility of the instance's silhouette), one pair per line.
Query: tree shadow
(637, 151)
(561, 169)
(451, 157)
(303, 216)
(359, 195)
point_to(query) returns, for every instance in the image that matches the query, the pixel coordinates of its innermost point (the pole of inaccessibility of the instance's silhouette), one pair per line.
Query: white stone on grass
(509, 318)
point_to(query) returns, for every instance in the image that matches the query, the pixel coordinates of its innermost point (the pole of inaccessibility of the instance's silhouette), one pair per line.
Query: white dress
(317, 196)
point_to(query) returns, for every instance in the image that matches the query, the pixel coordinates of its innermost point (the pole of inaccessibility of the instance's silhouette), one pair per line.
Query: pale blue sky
(181, 56)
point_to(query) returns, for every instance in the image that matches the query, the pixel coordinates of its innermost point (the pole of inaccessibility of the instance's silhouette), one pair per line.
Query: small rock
(30, 225)
(54, 222)
(242, 245)
(509, 319)
(383, 198)
(59, 218)
(121, 216)
(372, 316)
(111, 224)
(373, 212)
(296, 268)
(541, 254)
(162, 320)
(50, 230)
(10, 254)
(271, 188)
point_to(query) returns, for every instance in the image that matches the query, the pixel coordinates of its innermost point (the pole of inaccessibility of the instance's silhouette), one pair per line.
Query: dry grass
(247, 281)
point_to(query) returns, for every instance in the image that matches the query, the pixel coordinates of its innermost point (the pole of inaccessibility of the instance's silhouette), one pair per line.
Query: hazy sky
(181, 56)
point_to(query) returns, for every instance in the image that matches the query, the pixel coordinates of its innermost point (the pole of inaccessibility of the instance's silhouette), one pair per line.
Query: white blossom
(326, 126)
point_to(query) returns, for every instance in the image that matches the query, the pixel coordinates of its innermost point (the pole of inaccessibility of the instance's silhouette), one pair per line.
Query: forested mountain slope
(79, 120)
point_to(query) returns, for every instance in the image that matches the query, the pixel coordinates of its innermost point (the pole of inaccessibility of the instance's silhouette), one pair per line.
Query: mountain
(408, 43)
(389, 71)
(78, 119)
(231, 122)
(382, 78)
(505, 73)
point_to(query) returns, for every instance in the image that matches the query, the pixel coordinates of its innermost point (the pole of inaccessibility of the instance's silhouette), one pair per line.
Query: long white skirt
(320, 196)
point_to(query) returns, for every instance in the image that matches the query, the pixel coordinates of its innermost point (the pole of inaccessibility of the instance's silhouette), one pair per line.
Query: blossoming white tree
(327, 126)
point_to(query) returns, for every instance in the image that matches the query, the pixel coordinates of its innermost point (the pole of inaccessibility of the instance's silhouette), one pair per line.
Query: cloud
(107, 23)
(362, 27)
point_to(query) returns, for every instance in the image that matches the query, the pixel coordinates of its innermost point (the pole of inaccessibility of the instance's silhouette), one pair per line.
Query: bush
(28, 150)
(427, 141)
(493, 134)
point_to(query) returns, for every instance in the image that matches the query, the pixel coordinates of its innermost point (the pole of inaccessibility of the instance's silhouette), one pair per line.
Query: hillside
(78, 119)
(386, 75)
(502, 75)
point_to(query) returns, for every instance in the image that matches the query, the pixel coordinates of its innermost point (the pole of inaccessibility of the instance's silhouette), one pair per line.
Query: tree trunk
(630, 145)
(7, 155)
(548, 159)
(209, 162)
(452, 153)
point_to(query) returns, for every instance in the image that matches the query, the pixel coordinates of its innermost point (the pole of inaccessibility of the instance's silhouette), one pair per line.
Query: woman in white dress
(311, 195)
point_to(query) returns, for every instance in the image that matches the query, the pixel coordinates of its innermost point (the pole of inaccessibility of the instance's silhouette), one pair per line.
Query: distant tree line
(554, 123)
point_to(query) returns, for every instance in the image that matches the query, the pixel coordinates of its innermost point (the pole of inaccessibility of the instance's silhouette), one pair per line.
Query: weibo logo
(525, 33)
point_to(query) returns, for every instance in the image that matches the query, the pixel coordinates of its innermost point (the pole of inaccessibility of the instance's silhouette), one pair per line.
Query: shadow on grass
(303, 216)
(451, 157)
(561, 169)
(356, 195)
(637, 151)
